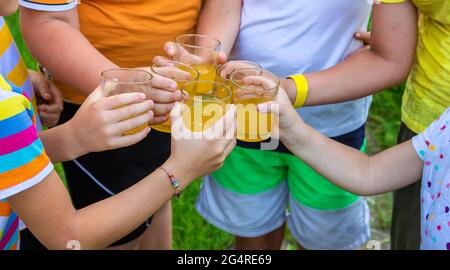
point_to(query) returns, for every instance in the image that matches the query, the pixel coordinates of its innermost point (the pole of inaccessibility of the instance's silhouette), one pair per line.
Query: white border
(27, 184)
(43, 7)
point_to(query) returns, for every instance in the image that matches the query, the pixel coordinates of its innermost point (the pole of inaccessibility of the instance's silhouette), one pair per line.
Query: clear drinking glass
(224, 71)
(200, 52)
(253, 126)
(203, 108)
(123, 80)
(181, 74)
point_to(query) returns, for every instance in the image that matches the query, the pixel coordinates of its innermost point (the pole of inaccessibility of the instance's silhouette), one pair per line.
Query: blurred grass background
(192, 232)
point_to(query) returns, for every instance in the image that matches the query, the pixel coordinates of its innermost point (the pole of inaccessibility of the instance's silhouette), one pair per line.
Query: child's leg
(159, 235)
(247, 198)
(270, 241)
(405, 228)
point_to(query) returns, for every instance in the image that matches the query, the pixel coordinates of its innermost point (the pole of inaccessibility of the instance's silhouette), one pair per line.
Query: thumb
(176, 112)
(42, 88)
(170, 49)
(97, 94)
(269, 107)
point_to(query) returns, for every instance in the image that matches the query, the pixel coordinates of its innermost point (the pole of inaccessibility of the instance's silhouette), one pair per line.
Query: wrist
(302, 89)
(183, 174)
(73, 144)
(289, 86)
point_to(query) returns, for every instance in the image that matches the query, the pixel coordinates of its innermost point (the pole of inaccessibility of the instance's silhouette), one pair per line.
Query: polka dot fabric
(433, 147)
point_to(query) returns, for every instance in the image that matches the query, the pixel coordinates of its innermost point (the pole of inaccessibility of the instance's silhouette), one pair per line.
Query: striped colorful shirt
(23, 161)
(13, 68)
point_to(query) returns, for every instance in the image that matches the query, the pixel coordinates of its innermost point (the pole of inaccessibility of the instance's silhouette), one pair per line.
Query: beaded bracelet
(174, 182)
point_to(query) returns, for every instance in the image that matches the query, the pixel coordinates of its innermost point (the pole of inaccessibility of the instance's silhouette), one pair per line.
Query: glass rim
(105, 78)
(278, 82)
(259, 67)
(197, 74)
(177, 39)
(185, 93)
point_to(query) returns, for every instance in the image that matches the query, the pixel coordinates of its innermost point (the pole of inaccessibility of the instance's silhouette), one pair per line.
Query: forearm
(387, 63)
(62, 48)
(121, 214)
(221, 19)
(353, 170)
(99, 224)
(366, 73)
(61, 144)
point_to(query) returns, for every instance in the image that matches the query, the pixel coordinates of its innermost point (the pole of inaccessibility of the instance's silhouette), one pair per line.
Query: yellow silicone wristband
(302, 89)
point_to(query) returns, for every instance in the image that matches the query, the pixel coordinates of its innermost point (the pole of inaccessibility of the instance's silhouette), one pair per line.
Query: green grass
(192, 232)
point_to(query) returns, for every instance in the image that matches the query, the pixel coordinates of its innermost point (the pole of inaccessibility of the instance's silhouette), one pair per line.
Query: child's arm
(98, 126)
(343, 165)
(221, 19)
(55, 40)
(387, 63)
(47, 210)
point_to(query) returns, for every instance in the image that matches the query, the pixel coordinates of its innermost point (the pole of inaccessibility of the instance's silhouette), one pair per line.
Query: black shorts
(117, 170)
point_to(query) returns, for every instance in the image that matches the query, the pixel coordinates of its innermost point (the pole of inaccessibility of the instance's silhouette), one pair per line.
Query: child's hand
(164, 95)
(199, 154)
(365, 38)
(287, 119)
(50, 103)
(170, 49)
(100, 122)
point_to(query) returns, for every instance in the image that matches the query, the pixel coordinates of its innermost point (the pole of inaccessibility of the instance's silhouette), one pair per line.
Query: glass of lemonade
(224, 71)
(123, 80)
(180, 73)
(253, 126)
(200, 52)
(203, 108)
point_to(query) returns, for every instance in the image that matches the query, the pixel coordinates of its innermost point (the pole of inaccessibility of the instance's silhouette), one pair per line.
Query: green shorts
(251, 171)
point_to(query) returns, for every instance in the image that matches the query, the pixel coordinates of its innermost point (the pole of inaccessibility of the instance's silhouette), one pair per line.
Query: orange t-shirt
(128, 32)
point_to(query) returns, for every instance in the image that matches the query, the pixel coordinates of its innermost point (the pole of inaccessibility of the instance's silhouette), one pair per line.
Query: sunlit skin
(8, 7)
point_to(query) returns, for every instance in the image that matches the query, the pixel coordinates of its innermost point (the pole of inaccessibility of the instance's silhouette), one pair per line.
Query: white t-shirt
(433, 147)
(290, 37)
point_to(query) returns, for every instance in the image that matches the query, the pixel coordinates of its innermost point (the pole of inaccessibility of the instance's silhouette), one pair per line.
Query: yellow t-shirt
(427, 93)
(128, 32)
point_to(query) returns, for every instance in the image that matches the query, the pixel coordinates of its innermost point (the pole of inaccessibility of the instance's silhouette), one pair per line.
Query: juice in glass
(181, 74)
(253, 126)
(202, 109)
(123, 80)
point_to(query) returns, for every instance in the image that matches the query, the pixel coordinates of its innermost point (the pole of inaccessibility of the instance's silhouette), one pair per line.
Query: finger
(170, 49)
(121, 100)
(41, 87)
(156, 120)
(160, 82)
(363, 36)
(52, 108)
(221, 57)
(132, 123)
(56, 94)
(97, 94)
(269, 107)
(263, 82)
(49, 119)
(162, 109)
(176, 112)
(162, 96)
(160, 59)
(230, 146)
(127, 140)
(130, 110)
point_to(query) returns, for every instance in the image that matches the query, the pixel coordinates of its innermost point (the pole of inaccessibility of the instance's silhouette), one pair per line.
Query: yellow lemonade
(207, 72)
(253, 126)
(202, 112)
(166, 126)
